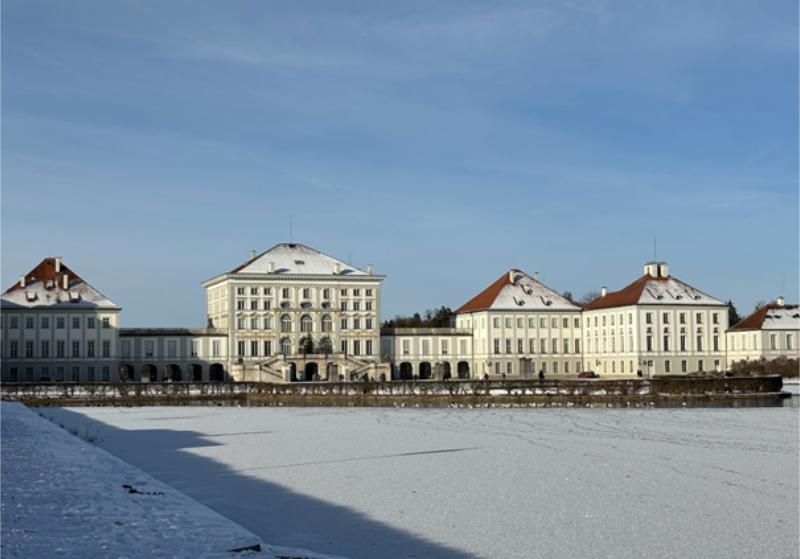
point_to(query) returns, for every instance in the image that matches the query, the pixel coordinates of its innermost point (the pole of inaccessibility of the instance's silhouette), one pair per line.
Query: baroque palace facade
(293, 313)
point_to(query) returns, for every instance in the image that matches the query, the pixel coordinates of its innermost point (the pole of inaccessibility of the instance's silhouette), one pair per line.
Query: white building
(428, 353)
(294, 313)
(57, 327)
(656, 325)
(772, 331)
(521, 327)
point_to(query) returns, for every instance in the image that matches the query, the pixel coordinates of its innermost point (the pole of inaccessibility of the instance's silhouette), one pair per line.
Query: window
(149, 348)
(543, 322)
(60, 322)
(76, 322)
(496, 345)
(286, 323)
(406, 347)
(699, 318)
(344, 292)
(543, 345)
(106, 348)
(29, 323)
(215, 348)
(343, 324)
(326, 293)
(240, 323)
(306, 293)
(172, 348)
(369, 347)
(240, 291)
(554, 323)
(577, 346)
(665, 318)
(240, 304)
(267, 347)
(327, 323)
(715, 318)
(90, 348)
(715, 341)
(240, 348)
(531, 345)
(357, 347)
(76, 349)
(106, 323)
(666, 343)
(13, 374)
(356, 323)
(267, 304)
(343, 305)
(789, 341)
(519, 322)
(90, 322)
(254, 305)
(254, 347)
(253, 291)
(368, 292)
(344, 346)
(495, 322)
(368, 305)
(267, 291)
(106, 373)
(699, 343)
(565, 323)
(45, 322)
(126, 348)
(648, 318)
(368, 325)
(577, 322)
(426, 347)
(509, 369)
(667, 366)
(508, 345)
(555, 367)
(356, 305)
(285, 292)
(13, 322)
(773, 341)
(445, 347)
(700, 365)
(520, 348)
(682, 318)
(90, 373)
(76, 374)
(254, 323)
(13, 350)
(554, 345)
(45, 349)
(649, 341)
(566, 345)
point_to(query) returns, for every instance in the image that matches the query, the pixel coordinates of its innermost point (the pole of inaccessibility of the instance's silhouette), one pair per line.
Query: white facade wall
(424, 353)
(752, 345)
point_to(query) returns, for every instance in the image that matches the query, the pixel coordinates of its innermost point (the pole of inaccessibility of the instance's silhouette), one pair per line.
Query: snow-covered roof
(650, 290)
(51, 284)
(297, 259)
(515, 290)
(771, 317)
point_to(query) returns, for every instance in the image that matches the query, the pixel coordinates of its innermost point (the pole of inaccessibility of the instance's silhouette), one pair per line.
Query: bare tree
(588, 297)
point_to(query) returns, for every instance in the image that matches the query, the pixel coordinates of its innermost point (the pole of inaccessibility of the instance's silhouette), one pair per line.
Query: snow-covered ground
(63, 497)
(458, 483)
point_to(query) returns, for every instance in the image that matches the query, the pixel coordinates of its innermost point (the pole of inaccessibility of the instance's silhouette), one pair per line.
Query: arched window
(306, 324)
(286, 346)
(325, 345)
(327, 323)
(306, 345)
(286, 323)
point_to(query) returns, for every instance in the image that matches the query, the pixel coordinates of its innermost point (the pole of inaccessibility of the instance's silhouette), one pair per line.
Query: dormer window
(31, 296)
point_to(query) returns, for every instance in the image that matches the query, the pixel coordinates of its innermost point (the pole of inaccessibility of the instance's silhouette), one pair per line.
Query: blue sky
(154, 144)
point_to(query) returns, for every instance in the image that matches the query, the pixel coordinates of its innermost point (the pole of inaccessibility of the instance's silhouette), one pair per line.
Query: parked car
(588, 374)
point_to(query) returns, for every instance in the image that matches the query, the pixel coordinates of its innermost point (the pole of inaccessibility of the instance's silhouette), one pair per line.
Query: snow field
(458, 483)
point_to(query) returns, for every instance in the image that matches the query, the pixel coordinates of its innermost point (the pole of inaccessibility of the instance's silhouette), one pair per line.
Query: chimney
(65, 279)
(22, 281)
(58, 264)
(272, 267)
(603, 291)
(511, 276)
(253, 254)
(337, 268)
(663, 271)
(651, 269)
(369, 269)
(536, 276)
(780, 301)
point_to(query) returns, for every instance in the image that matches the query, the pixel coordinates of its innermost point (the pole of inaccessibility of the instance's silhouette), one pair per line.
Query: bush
(789, 368)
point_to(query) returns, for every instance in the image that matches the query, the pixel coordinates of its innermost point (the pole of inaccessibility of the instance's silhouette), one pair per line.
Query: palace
(294, 314)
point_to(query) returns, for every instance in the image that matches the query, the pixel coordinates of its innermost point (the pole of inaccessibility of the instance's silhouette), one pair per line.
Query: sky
(153, 145)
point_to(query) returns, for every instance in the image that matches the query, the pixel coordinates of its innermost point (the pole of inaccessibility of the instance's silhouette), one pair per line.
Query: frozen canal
(453, 483)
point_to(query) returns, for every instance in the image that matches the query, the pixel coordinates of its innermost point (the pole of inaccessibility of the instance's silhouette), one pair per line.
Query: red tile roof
(628, 295)
(755, 321)
(485, 298)
(46, 271)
